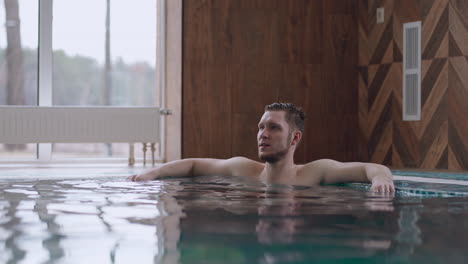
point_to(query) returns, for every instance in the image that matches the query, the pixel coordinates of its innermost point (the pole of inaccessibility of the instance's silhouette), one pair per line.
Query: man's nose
(264, 134)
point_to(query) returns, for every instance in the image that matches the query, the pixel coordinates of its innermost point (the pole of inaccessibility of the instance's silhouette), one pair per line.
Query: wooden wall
(239, 55)
(440, 139)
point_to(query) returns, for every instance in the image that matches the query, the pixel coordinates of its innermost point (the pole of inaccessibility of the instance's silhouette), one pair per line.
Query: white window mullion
(44, 151)
(161, 70)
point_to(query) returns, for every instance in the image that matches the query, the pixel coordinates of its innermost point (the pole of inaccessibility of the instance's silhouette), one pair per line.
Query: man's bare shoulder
(319, 164)
(312, 172)
(241, 166)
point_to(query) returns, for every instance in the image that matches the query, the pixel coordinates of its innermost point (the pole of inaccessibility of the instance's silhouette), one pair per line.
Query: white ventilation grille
(412, 71)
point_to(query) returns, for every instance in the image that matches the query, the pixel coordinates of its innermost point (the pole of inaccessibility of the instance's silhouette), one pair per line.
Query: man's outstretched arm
(182, 168)
(192, 167)
(336, 172)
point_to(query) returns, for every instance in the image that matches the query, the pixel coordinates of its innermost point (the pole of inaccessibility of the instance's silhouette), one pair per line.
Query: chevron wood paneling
(440, 139)
(379, 129)
(458, 113)
(405, 141)
(434, 27)
(432, 134)
(458, 86)
(404, 11)
(376, 40)
(458, 27)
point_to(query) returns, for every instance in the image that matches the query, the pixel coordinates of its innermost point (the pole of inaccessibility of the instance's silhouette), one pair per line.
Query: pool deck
(56, 171)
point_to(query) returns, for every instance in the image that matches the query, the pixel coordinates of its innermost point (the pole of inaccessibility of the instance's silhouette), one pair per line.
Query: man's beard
(274, 157)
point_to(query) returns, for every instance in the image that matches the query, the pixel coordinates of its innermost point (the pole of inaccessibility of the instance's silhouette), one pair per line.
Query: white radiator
(37, 124)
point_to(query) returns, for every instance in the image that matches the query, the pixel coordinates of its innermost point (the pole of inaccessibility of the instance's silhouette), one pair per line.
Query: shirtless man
(279, 132)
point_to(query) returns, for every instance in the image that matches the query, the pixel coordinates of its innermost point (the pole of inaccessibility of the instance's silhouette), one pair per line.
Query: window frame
(45, 84)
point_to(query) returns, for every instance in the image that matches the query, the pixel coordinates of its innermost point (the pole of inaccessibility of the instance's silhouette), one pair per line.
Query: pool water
(229, 220)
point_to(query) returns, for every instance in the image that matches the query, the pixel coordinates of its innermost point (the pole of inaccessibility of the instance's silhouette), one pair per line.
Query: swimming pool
(229, 220)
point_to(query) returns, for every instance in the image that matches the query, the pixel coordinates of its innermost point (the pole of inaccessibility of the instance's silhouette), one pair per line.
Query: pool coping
(430, 180)
(463, 176)
(89, 173)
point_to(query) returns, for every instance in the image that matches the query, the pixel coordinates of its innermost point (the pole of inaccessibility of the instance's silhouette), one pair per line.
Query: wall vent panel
(412, 71)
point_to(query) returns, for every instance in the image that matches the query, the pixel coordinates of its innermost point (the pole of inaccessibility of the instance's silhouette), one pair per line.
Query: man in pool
(279, 132)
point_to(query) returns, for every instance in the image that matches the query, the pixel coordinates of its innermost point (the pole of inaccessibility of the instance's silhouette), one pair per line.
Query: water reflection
(11, 242)
(282, 223)
(66, 221)
(222, 220)
(285, 224)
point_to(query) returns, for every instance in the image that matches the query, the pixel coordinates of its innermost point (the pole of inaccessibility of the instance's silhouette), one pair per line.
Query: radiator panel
(33, 124)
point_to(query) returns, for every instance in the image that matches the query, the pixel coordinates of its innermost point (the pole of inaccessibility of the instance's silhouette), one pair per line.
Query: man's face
(274, 137)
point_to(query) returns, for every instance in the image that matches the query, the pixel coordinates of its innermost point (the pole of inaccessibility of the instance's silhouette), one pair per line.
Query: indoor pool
(229, 220)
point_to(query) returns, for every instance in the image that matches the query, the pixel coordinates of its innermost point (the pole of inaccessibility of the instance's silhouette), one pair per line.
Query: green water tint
(350, 225)
(229, 220)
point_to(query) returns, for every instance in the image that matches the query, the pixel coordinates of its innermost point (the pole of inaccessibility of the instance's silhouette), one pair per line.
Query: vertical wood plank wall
(440, 139)
(239, 55)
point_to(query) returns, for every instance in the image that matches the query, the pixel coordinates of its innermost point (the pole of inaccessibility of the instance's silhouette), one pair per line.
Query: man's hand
(382, 184)
(135, 177)
(147, 176)
(132, 177)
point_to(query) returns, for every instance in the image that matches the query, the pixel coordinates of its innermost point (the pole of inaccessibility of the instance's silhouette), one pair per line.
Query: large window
(104, 58)
(103, 53)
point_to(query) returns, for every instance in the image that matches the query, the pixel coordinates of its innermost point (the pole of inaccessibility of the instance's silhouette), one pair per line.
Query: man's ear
(296, 137)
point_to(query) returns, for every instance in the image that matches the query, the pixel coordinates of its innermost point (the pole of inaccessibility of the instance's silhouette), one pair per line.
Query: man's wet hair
(294, 115)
